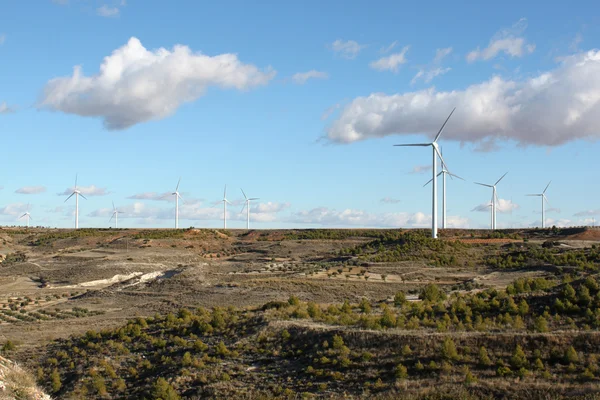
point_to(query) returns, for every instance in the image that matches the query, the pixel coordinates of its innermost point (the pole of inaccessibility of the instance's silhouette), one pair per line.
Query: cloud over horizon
(91, 190)
(550, 109)
(507, 41)
(137, 85)
(31, 190)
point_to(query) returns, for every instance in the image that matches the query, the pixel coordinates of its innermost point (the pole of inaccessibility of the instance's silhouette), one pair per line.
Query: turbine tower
(177, 197)
(494, 198)
(26, 215)
(115, 215)
(76, 193)
(544, 198)
(247, 207)
(443, 173)
(225, 202)
(436, 153)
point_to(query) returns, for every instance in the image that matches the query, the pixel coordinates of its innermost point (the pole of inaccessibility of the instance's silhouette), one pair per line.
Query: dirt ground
(55, 283)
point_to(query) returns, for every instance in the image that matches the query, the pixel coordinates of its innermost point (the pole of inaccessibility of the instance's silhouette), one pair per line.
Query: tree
(399, 299)
(523, 307)
(406, 351)
(518, 359)
(162, 390)
(365, 306)
(484, 359)
(540, 324)
(432, 293)
(571, 355)
(401, 372)
(448, 350)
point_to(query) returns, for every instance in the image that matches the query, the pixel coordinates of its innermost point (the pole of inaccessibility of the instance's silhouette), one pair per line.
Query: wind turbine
(544, 198)
(247, 207)
(436, 153)
(443, 173)
(77, 193)
(494, 198)
(177, 197)
(225, 202)
(115, 215)
(26, 215)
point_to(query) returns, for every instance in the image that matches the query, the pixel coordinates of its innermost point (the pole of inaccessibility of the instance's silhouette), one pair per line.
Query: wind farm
(391, 244)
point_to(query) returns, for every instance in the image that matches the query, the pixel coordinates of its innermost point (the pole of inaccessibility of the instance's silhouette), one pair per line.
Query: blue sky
(299, 104)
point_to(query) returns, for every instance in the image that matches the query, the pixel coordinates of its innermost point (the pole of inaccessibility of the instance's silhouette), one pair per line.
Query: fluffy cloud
(389, 200)
(502, 206)
(550, 109)
(86, 191)
(135, 85)
(391, 62)
(301, 77)
(348, 49)
(31, 190)
(269, 207)
(440, 54)
(587, 213)
(106, 11)
(507, 41)
(5, 108)
(15, 209)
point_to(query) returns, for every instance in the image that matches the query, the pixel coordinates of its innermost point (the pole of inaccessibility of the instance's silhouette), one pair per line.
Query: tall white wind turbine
(495, 199)
(247, 207)
(544, 198)
(115, 215)
(225, 202)
(436, 153)
(177, 197)
(76, 193)
(443, 173)
(26, 215)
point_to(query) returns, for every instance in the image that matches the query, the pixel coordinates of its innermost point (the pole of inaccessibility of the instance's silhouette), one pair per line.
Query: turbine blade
(456, 176)
(244, 207)
(533, 195)
(414, 144)
(114, 208)
(178, 182)
(76, 181)
(228, 202)
(244, 194)
(83, 196)
(502, 177)
(482, 184)
(111, 217)
(545, 198)
(547, 187)
(22, 216)
(254, 198)
(69, 196)
(225, 192)
(428, 182)
(440, 156)
(442, 128)
(30, 217)
(439, 173)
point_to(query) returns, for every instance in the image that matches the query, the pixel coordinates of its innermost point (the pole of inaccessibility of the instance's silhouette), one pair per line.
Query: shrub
(432, 293)
(448, 350)
(163, 390)
(401, 372)
(55, 381)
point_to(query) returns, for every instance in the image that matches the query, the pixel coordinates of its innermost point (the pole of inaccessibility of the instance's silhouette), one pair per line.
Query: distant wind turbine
(247, 207)
(443, 173)
(436, 153)
(76, 193)
(544, 198)
(115, 215)
(225, 202)
(495, 199)
(177, 197)
(26, 215)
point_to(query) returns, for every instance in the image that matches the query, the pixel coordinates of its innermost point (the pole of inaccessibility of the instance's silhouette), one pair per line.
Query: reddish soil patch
(588, 234)
(489, 241)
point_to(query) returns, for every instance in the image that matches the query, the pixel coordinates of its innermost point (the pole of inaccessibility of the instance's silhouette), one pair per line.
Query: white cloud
(391, 62)
(587, 213)
(561, 223)
(507, 41)
(389, 48)
(137, 85)
(502, 206)
(550, 109)
(106, 11)
(14, 209)
(5, 108)
(301, 77)
(327, 113)
(31, 190)
(269, 207)
(86, 191)
(428, 73)
(440, 54)
(348, 49)
(389, 200)
(328, 217)
(166, 196)
(421, 169)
